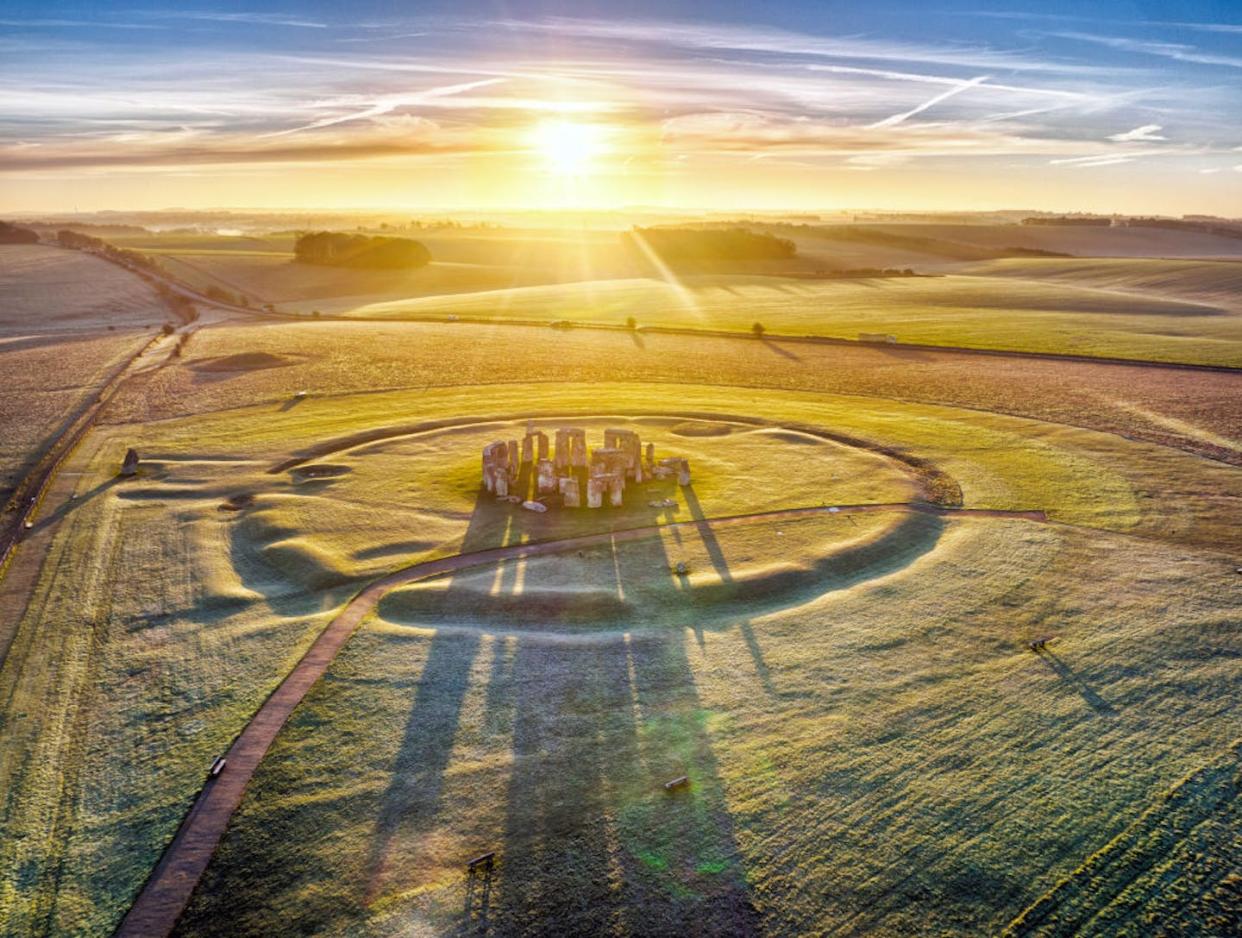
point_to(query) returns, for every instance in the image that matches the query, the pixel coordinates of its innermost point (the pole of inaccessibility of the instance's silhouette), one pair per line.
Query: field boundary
(167, 891)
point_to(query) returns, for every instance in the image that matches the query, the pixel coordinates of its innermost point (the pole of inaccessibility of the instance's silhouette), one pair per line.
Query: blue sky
(1127, 106)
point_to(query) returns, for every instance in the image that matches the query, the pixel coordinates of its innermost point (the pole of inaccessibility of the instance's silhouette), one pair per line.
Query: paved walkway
(164, 897)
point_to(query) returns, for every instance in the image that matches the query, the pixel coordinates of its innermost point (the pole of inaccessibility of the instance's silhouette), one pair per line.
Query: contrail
(930, 102)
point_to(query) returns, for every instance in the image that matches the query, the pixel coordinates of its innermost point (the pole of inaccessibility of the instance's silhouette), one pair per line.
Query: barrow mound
(244, 361)
(700, 428)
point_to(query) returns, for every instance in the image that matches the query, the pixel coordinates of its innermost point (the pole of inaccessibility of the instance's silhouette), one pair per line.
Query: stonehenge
(564, 468)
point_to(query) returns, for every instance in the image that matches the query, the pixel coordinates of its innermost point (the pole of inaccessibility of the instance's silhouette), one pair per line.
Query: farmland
(1141, 309)
(238, 594)
(850, 694)
(66, 324)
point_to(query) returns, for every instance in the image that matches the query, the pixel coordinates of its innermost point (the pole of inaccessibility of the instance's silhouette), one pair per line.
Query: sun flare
(568, 148)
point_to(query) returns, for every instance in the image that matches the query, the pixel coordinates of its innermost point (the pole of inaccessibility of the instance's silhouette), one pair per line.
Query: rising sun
(568, 148)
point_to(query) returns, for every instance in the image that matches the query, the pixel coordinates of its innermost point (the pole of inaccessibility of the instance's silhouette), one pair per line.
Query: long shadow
(594, 843)
(710, 542)
(783, 352)
(1071, 677)
(72, 504)
(292, 403)
(409, 804)
(637, 338)
(756, 656)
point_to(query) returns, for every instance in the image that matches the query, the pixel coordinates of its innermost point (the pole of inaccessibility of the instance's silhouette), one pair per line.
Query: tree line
(12, 234)
(339, 249)
(707, 246)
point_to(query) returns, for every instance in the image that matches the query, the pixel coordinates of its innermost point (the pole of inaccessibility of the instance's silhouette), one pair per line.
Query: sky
(726, 106)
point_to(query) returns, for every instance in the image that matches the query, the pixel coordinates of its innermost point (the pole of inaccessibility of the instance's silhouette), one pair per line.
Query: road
(164, 897)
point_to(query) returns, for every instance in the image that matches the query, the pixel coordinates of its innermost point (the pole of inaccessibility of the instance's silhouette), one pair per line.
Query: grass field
(49, 289)
(879, 758)
(1216, 283)
(1199, 412)
(56, 347)
(949, 310)
(869, 742)
(1081, 241)
(194, 612)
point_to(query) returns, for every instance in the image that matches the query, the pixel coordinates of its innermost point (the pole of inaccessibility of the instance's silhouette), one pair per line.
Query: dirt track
(164, 897)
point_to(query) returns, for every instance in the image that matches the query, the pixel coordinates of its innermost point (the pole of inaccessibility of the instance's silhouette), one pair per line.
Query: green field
(975, 312)
(1216, 283)
(870, 743)
(909, 652)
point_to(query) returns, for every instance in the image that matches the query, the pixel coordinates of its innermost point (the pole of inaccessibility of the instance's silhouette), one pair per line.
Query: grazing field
(67, 322)
(890, 744)
(1080, 240)
(1216, 283)
(48, 379)
(206, 576)
(231, 366)
(804, 673)
(949, 310)
(49, 289)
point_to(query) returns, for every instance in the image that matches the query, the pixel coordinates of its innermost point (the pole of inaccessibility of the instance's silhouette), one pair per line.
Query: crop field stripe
(168, 890)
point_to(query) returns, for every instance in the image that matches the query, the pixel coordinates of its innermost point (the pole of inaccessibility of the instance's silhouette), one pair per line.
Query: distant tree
(758, 329)
(168, 328)
(338, 249)
(12, 234)
(707, 246)
(315, 313)
(631, 323)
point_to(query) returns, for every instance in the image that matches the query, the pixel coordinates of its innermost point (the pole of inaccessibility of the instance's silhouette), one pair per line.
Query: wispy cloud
(1169, 50)
(74, 24)
(781, 42)
(1146, 132)
(388, 103)
(244, 18)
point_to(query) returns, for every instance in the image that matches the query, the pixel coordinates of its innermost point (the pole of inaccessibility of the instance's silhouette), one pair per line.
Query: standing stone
(528, 448)
(511, 456)
(541, 440)
(595, 492)
(563, 459)
(546, 481)
(570, 495)
(616, 490)
(129, 465)
(495, 464)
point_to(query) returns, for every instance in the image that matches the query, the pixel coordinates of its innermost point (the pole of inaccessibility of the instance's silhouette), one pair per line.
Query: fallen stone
(534, 506)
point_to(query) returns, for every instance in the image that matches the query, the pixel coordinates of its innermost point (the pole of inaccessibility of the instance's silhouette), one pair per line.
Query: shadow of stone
(783, 352)
(1074, 680)
(73, 504)
(478, 902)
(410, 801)
(292, 403)
(710, 542)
